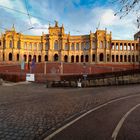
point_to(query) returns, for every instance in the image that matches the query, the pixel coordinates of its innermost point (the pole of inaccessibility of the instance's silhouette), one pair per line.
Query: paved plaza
(32, 111)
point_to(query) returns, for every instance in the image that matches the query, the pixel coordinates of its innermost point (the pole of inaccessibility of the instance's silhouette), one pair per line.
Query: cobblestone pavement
(33, 111)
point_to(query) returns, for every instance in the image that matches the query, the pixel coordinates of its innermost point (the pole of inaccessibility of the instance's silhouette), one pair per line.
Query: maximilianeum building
(56, 46)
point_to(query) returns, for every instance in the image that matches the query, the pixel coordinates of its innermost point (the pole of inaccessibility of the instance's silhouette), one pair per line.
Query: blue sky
(78, 17)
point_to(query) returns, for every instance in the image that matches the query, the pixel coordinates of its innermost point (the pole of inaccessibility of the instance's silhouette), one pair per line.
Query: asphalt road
(117, 120)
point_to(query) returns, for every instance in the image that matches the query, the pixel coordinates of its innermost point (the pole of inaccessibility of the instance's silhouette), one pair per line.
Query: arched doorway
(17, 57)
(117, 58)
(65, 58)
(72, 58)
(10, 56)
(46, 57)
(77, 58)
(93, 57)
(56, 57)
(30, 58)
(34, 57)
(25, 57)
(39, 58)
(86, 58)
(82, 58)
(101, 57)
(113, 58)
(125, 58)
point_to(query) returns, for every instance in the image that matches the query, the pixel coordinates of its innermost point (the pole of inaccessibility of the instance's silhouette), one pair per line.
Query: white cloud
(76, 20)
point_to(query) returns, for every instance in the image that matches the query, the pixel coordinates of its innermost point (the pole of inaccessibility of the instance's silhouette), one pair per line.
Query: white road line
(118, 127)
(92, 110)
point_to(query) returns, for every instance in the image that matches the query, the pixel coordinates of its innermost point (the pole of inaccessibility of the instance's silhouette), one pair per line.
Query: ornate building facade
(56, 46)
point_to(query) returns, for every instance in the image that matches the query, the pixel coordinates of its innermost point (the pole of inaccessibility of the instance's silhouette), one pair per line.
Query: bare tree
(127, 6)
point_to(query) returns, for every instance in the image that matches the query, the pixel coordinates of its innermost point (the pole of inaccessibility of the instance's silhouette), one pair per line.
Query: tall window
(18, 44)
(87, 45)
(117, 46)
(47, 46)
(93, 45)
(113, 46)
(77, 46)
(129, 47)
(30, 46)
(72, 46)
(101, 45)
(40, 46)
(10, 44)
(121, 47)
(35, 46)
(25, 46)
(66, 47)
(56, 45)
(82, 46)
(125, 46)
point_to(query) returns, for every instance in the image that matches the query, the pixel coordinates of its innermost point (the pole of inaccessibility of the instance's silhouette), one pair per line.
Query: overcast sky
(78, 17)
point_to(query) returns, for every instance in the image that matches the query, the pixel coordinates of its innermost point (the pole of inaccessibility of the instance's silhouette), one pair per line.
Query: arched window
(77, 46)
(87, 45)
(17, 57)
(18, 44)
(82, 46)
(66, 47)
(72, 46)
(10, 56)
(121, 47)
(25, 46)
(39, 58)
(56, 45)
(101, 44)
(30, 46)
(47, 46)
(101, 57)
(93, 45)
(40, 46)
(107, 44)
(56, 57)
(11, 44)
(77, 58)
(117, 46)
(125, 47)
(65, 58)
(129, 47)
(35, 46)
(132, 47)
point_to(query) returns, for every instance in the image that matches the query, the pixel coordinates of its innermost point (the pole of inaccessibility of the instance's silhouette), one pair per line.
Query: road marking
(118, 127)
(92, 110)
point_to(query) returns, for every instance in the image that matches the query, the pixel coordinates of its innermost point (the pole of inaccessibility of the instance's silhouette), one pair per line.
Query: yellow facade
(56, 46)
